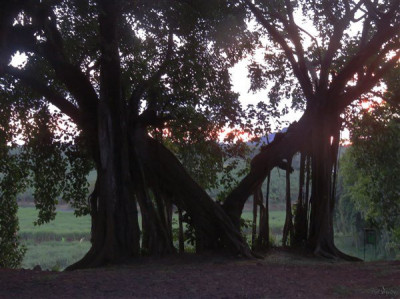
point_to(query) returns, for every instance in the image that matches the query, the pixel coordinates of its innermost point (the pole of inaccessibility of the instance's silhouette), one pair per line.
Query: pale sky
(241, 85)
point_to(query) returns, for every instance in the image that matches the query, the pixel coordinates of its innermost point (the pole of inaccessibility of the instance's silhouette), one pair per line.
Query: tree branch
(299, 71)
(365, 85)
(22, 38)
(383, 35)
(41, 88)
(293, 31)
(153, 79)
(74, 79)
(334, 45)
(379, 58)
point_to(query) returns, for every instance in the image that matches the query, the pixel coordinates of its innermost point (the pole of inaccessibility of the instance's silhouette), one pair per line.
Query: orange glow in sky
(367, 104)
(235, 135)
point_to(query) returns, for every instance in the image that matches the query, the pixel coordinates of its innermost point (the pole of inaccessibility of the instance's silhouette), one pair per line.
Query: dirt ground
(280, 275)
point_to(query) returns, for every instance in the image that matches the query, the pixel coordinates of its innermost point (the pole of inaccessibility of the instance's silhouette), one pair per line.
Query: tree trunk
(324, 153)
(181, 238)
(321, 232)
(300, 225)
(266, 236)
(307, 196)
(288, 227)
(116, 234)
(254, 226)
(157, 239)
(263, 233)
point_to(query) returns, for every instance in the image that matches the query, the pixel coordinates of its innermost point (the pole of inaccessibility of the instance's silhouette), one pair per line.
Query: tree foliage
(371, 168)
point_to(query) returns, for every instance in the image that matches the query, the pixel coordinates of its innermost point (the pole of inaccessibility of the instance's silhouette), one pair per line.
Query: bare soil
(281, 274)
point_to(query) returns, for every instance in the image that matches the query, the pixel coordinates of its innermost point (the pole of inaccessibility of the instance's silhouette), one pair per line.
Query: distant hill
(266, 139)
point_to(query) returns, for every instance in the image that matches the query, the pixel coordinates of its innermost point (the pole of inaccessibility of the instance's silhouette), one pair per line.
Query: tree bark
(116, 235)
(323, 154)
(266, 236)
(254, 225)
(213, 228)
(181, 238)
(300, 225)
(288, 227)
(263, 233)
(157, 239)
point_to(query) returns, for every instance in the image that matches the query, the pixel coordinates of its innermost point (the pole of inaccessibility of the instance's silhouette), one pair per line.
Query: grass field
(53, 245)
(65, 240)
(59, 243)
(276, 219)
(66, 226)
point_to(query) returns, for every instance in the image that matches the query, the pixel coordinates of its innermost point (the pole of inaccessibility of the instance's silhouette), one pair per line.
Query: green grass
(276, 218)
(276, 222)
(54, 255)
(66, 225)
(53, 245)
(65, 240)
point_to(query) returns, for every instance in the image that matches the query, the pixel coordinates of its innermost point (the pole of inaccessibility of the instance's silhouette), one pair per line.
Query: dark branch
(41, 88)
(299, 70)
(150, 118)
(153, 79)
(22, 38)
(334, 44)
(380, 57)
(383, 35)
(71, 75)
(293, 31)
(367, 84)
(16, 38)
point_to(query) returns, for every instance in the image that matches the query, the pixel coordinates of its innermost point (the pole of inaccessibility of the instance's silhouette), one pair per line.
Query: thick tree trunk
(116, 234)
(324, 154)
(130, 168)
(321, 232)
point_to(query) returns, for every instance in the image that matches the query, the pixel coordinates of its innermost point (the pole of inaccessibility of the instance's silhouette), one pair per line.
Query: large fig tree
(350, 47)
(120, 71)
